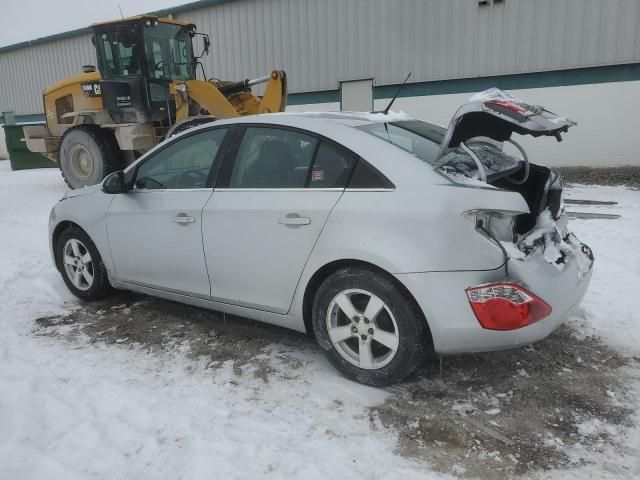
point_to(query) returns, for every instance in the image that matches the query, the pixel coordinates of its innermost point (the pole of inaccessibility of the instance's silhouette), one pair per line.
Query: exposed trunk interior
(536, 193)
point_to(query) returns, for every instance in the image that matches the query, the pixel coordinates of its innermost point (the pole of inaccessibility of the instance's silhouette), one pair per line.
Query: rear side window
(273, 158)
(331, 168)
(365, 176)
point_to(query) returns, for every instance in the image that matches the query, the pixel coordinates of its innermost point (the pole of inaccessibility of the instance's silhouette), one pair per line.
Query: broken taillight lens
(506, 306)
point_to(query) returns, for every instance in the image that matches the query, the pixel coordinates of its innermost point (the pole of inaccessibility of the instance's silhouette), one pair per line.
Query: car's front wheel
(81, 265)
(370, 329)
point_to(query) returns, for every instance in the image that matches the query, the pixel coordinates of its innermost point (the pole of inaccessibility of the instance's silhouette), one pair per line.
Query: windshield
(418, 138)
(169, 52)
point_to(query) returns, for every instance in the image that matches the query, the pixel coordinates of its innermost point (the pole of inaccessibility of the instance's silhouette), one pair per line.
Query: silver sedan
(387, 238)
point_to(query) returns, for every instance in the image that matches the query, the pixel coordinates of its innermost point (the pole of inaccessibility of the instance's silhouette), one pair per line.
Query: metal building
(354, 53)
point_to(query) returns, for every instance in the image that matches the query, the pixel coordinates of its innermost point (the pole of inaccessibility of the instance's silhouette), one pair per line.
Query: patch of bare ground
(511, 413)
(155, 325)
(629, 176)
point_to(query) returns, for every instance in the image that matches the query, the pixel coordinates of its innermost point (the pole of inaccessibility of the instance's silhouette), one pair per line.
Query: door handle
(183, 219)
(294, 219)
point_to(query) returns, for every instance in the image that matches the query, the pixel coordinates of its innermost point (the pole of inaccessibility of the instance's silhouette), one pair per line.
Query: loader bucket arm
(210, 98)
(275, 93)
(233, 99)
(273, 100)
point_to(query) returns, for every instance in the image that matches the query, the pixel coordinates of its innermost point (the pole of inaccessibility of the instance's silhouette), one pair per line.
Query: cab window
(117, 58)
(185, 163)
(169, 52)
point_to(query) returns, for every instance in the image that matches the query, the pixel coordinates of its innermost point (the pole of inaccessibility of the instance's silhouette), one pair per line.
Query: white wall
(607, 134)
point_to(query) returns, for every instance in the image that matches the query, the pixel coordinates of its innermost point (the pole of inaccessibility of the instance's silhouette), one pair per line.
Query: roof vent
(88, 68)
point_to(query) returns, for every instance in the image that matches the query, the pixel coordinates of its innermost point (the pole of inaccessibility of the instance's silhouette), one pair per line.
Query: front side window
(185, 163)
(273, 158)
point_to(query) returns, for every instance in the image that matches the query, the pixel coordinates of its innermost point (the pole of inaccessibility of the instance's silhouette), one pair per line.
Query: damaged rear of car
(546, 269)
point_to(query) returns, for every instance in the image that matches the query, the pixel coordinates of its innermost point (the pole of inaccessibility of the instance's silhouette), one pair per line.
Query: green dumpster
(19, 155)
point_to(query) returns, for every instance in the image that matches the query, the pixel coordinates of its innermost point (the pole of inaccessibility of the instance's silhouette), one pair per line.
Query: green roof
(86, 30)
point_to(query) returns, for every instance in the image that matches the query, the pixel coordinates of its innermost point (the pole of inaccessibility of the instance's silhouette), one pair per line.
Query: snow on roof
(357, 117)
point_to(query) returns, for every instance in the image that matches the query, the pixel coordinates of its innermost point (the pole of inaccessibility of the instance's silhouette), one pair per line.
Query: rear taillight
(506, 306)
(511, 106)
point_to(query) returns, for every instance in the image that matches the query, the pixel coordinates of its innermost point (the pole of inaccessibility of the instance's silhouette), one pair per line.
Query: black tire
(188, 123)
(87, 155)
(100, 286)
(414, 339)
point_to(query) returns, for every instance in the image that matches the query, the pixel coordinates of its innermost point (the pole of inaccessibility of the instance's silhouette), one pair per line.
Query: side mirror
(114, 183)
(207, 44)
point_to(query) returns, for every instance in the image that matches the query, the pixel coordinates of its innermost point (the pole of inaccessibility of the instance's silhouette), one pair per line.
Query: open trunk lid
(473, 147)
(497, 115)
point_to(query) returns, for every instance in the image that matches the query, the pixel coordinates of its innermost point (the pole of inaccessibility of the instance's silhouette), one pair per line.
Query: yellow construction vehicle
(144, 91)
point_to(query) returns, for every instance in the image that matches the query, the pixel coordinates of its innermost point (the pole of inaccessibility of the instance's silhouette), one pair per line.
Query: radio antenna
(386, 110)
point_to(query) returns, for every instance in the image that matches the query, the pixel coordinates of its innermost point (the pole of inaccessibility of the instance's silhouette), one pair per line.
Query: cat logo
(92, 89)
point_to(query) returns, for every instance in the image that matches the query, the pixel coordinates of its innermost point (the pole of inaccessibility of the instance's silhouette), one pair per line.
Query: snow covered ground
(75, 406)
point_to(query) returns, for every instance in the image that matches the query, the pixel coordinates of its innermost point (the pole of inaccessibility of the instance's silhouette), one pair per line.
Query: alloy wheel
(362, 329)
(78, 264)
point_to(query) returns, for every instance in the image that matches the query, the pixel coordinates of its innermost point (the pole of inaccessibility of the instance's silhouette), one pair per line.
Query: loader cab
(138, 59)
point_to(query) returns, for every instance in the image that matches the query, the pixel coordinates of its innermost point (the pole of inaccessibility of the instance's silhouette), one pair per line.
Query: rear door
(155, 230)
(274, 196)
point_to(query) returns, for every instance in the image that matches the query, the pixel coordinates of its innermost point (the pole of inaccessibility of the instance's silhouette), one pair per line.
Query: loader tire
(87, 155)
(188, 123)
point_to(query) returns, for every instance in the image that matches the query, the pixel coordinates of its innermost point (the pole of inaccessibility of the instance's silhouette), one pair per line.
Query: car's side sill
(286, 321)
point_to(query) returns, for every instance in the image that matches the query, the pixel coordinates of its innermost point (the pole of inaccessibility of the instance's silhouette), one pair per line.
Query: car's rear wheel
(370, 329)
(81, 266)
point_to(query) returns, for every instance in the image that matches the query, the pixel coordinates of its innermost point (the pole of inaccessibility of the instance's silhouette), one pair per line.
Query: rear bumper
(454, 327)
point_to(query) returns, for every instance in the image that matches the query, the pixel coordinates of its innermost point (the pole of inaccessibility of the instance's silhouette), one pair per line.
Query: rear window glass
(418, 138)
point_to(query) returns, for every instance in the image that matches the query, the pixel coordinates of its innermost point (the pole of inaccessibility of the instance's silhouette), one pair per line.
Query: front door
(155, 230)
(261, 225)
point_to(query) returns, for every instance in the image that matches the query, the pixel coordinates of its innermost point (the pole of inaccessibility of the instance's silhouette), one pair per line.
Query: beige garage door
(356, 95)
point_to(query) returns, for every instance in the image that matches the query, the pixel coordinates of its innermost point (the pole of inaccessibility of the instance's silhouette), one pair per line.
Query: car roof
(306, 120)
(351, 119)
